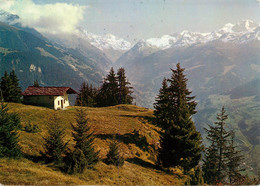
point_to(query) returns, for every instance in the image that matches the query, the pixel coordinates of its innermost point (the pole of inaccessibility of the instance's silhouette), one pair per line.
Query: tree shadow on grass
(128, 138)
(142, 163)
(34, 158)
(149, 119)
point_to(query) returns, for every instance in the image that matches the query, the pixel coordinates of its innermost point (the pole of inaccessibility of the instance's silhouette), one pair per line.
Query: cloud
(46, 18)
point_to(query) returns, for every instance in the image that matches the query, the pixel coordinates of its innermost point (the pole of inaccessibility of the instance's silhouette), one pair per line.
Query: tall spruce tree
(221, 157)
(163, 106)
(9, 86)
(54, 145)
(84, 154)
(5, 85)
(15, 90)
(235, 159)
(181, 143)
(36, 83)
(9, 124)
(108, 93)
(218, 138)
(87, 95)
(125, 90)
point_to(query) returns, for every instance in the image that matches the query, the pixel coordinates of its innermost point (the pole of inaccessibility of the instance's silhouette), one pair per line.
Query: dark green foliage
(31, 128)
(15, 90)
(87, 96)
(210, 166)
(115, 90)
(162, 107)
(83, 149)
(54, 145)
(9, 86)
(108, 93)
(221, 159)
(36, 83)
(196, 177)
(5, 85)
(125, 90)
(181, 143)
(9, 124)
(113, 156)
(75, 161)
(234, 162)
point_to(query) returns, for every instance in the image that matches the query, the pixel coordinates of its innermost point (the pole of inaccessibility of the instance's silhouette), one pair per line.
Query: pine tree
(87, 95)
(234, 161)
(125, 90)
(181, 143)
(5, 85)
(196, 177)
(163, 106)
(221, 157)
(108, 93)
(9, 124)
(36, 83)
(15, 90)
(210, 166)
(84, 145)
(113, 156)
(54, 145)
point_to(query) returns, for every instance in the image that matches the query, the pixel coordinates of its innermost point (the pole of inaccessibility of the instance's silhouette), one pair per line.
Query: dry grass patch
(131, 125)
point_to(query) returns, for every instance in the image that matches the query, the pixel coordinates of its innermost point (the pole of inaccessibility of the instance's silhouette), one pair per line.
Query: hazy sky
(132, 19)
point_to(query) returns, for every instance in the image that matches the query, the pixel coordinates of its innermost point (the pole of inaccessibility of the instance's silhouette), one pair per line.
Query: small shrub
(31, 128)
(75, 162)
(9, 124)
(196, 177)
(113, 156)
(54, 145)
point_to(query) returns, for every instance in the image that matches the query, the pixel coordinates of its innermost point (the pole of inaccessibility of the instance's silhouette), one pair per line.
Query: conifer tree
(125, 90)
(36, 83)
(181, 143)
(5, 85)
(210, 166)
(163, 106)
(54, 145)
(218, 137)
(196, 177)
(235, 159)
(10, 89)
(113, 156)
(87, 95)
(9, 124)
(84, 154)
(108, 93)
(15, 90)
(221, 157)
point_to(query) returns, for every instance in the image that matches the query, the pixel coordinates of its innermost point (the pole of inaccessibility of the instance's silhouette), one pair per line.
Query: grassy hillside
(138, 142)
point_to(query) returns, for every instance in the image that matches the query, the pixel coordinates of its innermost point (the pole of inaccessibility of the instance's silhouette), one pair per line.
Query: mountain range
(222, 67)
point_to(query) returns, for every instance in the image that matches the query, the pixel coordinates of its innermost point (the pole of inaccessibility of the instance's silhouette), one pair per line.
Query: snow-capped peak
(107, 41)
(241, 32)
(227, 28)
(245, 26)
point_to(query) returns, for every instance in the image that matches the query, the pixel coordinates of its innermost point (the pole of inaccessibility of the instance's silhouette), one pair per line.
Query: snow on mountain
(107, 41)
(241, 32)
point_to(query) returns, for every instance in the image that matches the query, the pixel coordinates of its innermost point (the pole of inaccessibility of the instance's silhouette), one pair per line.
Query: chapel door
(61, 103)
